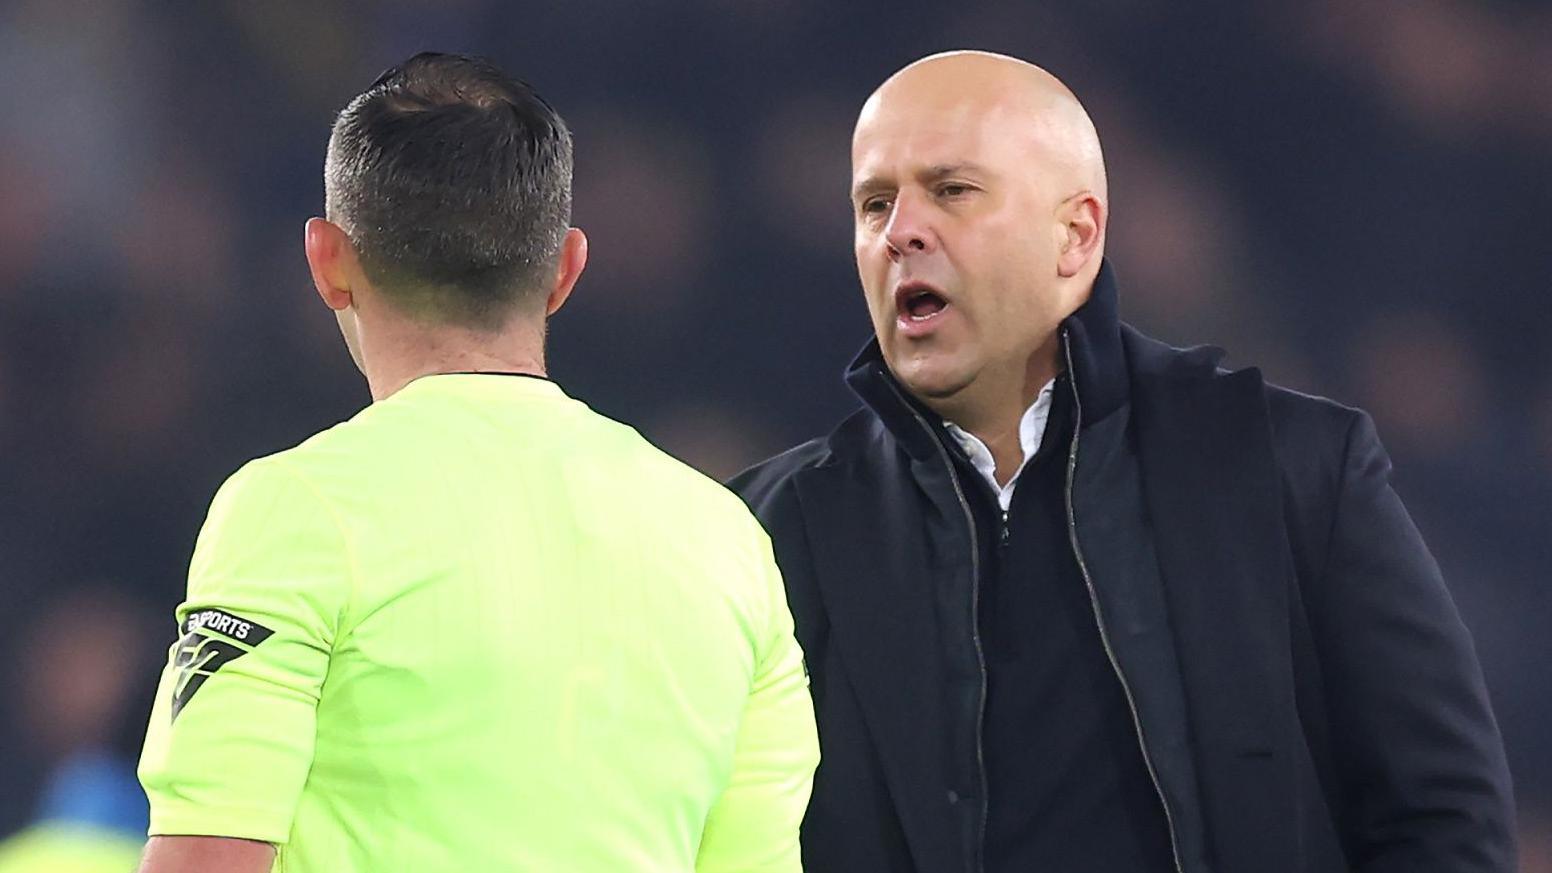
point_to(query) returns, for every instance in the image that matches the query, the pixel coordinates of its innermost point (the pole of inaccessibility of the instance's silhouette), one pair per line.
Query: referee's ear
(568, 268)
(332, 259)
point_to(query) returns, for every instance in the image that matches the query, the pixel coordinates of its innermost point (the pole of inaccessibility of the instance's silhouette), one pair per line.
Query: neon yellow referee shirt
(479, 627)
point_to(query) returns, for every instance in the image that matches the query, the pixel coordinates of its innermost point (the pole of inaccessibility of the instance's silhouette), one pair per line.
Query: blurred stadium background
(1356, 196)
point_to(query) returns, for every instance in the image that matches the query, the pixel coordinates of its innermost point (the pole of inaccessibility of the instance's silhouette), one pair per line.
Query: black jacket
(1305, 693)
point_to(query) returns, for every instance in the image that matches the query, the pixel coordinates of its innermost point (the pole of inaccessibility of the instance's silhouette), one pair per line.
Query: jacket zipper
(1099, 618)
(975, 616)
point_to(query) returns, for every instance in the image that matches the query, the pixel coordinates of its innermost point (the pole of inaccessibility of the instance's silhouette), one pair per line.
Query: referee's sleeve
(231, 734)
(754, 826)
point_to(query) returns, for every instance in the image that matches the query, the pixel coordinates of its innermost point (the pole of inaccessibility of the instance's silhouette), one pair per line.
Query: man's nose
(909, 230)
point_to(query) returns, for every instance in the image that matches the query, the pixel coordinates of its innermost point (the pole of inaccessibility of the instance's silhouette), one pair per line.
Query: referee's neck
(396, 354)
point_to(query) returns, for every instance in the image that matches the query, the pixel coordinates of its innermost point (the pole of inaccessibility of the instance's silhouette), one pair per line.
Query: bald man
(1076, 601)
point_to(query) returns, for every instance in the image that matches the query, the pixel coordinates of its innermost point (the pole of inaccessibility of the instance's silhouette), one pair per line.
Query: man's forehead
(888, 142)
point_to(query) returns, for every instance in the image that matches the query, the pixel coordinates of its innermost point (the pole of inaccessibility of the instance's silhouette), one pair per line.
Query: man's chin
(931, 383)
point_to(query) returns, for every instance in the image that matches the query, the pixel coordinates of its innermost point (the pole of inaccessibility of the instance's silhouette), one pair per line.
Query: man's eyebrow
(940, 171)
(868, 185)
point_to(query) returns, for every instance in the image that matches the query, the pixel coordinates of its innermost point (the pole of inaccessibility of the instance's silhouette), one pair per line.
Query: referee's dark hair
(453, 182)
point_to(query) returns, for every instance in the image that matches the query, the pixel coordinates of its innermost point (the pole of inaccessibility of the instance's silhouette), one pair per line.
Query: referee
(477, 626)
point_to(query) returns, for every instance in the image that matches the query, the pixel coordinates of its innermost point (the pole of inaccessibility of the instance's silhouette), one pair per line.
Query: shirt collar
(1031, 431)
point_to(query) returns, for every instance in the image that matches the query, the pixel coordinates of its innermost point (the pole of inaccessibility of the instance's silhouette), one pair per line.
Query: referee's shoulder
(679, 492)
(330, 459)
(690, 485)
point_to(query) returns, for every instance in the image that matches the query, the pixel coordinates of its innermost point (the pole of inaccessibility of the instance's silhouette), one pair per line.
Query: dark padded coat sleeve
(1422, 777)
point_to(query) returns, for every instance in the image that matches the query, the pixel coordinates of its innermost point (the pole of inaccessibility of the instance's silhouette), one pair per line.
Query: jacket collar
(1094, 347)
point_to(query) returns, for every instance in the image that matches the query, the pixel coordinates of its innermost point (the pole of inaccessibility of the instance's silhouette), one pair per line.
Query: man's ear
(332, 259)
(1082, 219)
(568, 269)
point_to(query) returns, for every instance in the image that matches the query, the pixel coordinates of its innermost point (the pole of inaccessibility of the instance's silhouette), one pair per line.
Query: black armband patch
(211, 639)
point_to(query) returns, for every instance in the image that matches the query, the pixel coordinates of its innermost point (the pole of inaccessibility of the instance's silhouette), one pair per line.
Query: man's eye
(953, 190)
(875, 205)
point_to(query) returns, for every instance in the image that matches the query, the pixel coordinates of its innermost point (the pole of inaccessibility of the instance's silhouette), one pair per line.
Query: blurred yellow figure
(61, 847)
(91, 814)
(91, 818)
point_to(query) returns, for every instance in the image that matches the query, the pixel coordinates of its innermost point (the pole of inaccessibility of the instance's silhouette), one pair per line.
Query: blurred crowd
(1352, 196)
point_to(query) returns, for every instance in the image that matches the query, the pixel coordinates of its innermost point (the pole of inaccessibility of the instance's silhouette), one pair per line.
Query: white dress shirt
(1031, 429)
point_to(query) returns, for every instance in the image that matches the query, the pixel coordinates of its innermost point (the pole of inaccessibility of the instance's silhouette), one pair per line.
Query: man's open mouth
(919, 302)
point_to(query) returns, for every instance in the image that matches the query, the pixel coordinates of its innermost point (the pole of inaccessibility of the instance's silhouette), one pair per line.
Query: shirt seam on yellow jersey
(353, 567)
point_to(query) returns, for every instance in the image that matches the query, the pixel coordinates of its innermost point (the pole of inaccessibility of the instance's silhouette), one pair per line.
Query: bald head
(1016, 98)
